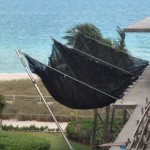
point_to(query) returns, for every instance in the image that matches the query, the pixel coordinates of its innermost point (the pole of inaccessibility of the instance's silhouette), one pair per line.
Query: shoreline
(16, 76)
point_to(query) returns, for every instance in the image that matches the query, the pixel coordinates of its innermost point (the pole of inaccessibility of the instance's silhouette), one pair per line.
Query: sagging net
(80, 81)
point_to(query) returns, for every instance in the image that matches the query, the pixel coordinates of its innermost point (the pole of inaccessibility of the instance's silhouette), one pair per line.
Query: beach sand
(16, 76)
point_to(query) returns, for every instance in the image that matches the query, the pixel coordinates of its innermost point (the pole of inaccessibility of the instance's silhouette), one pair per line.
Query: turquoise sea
(29, 24)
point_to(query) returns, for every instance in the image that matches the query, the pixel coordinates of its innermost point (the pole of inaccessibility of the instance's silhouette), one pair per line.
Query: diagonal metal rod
(104, 124)
(33, 81)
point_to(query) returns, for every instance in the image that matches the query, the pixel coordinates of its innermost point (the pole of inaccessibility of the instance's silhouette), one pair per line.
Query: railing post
(112, 119)
(147, 100)
(124, 116)
(13, 98)
(142, 110)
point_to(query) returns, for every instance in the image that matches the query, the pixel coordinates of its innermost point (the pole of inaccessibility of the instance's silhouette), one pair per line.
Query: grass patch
(21, 87)
(58, 143)
(32, 110)
(56, 140)
(22, 141)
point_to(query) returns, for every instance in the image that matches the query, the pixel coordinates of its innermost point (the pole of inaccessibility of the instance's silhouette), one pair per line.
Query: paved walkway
(136, 95)
(50, 125)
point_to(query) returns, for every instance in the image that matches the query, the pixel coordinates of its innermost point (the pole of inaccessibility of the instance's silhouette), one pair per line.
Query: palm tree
(95, 33)
(86, 29)
(120, 42)
(2, 104)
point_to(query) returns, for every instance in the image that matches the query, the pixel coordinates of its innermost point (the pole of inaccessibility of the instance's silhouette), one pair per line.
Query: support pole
(124, 116)
(112, 118)
(93, 138)
(105, 126)
(106, 137)
(42, 97)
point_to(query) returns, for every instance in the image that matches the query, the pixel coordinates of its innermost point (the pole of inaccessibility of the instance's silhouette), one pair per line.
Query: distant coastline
(15, 76)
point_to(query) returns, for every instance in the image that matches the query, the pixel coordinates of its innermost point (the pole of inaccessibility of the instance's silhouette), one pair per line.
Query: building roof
(140, 26)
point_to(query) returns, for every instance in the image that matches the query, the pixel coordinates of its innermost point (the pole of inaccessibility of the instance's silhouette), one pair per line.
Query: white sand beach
(15, 76)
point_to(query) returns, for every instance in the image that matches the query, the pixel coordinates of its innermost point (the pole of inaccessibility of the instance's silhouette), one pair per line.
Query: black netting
(81, 81)
(68, 91)
(108, 83)
(95, 73)
(108, 54)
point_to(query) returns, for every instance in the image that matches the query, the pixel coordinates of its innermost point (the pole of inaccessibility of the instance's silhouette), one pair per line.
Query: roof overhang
(140, 26)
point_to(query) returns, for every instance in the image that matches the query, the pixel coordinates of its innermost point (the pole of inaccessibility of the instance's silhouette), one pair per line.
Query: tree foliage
(86, 29)
(95, 33)
(120, 42)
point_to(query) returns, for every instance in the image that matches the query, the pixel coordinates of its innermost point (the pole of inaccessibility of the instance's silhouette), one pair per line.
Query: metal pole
(33, 81)
(106, 138)
(124, 116)
(112, 118)
(93, 138)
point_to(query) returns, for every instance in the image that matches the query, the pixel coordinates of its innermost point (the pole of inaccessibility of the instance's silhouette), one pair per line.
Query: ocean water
(27, 25)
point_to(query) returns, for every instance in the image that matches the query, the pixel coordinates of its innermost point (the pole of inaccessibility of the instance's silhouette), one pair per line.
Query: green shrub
(82, 130)
(22, 141)
(25, 128)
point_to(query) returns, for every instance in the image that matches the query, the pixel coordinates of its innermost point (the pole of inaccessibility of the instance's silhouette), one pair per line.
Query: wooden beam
(113, 144)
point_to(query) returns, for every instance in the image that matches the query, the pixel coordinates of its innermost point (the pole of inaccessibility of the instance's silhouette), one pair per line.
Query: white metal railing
(141, 133)
(47, 117)
(26, 98)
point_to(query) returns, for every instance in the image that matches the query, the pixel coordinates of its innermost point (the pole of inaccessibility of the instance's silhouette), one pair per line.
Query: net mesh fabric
(109, 54)
(108, 83)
